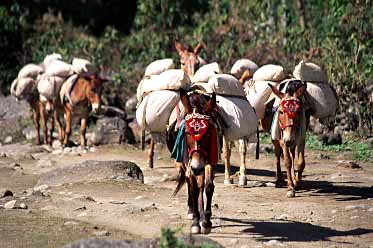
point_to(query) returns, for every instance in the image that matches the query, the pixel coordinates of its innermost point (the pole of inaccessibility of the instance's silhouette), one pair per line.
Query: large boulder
(111, 130)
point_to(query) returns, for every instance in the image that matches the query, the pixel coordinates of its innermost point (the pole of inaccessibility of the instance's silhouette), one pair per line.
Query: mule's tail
(181, 179)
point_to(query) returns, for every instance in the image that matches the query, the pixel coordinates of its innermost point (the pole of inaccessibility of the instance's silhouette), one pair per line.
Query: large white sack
(22, 87)
(50, 58)
(66, 86)
(269, 72)
(257, 93)
(159, 106)
(174, 79)
(59, 68)
(204, 73)
(241, 66)
(322, 100)
(309, 72)
(239, 116)
(224, 84)
(30, 70)
(159, 66)
(82, 65)
(49, 86)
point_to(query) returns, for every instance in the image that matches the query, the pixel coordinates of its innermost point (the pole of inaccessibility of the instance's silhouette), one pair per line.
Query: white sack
(224, 84)
(322, 101)
(30, 70)
(82, 65)
(59, 68)
(174, 79)
(309, 72)
(50, 58)
(22, 87)
(159, 106)
(257, 94)
(239, 115)
(66, 87)
(204, 73)
(241, 66)
(49, 86)
(159, 66)
(269, 72)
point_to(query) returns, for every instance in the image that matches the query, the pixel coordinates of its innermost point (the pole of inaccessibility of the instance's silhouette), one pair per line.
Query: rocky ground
(52, 197)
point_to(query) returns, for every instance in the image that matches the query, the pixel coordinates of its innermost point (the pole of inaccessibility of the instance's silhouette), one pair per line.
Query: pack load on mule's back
(80, 65)
(204, 73)
(320, 97)
(239, 118)
(25, 83)
(242, 65)
(158, 95)
(257, 90)
(158, 66)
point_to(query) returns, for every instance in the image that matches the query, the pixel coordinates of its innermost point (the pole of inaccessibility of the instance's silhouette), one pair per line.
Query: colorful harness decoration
(197, 125)
(290, 107)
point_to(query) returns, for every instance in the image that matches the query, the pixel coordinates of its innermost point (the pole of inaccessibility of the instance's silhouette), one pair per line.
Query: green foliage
(357, 150)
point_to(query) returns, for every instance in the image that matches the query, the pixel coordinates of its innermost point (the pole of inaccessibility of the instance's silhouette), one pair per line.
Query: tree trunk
(302, 13)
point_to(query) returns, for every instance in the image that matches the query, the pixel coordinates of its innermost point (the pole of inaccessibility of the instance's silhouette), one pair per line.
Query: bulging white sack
(322, 100)
(269, 72)
(159, 66)
(224, 84)
(50, 58)
(30, 70)
(82, 65)
(309, 72)
(241, 66)
(174, 79)
(257, 94)
(239, 116)
(158, 107)
(59, 68)
(22, 87)
(49, 86)
(204, 73)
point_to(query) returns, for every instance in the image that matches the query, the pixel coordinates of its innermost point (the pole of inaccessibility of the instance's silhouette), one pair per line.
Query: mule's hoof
(150, 164)
(242, 180)
(205, 230)
(195, 229)
(228, 181)
(290, 193)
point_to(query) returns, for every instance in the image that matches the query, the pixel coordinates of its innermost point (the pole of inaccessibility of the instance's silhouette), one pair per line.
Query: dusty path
(334, 208)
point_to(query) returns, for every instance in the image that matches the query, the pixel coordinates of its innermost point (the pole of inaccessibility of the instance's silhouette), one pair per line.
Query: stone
(102, 233)
(41, 188)
(29, 133)
(370, 210)
(117, 202)
(56, 144)
(66, 150)
(233, 241)
(48, 208)
(5, 193)
(109, 130)
(273, 242)
(334, 211)
(8, 139)
(57, 152)
(354, 207)
(93, 149)
(282, 217)
(70, 223)
(270, 184)
(23, 206)
(10, 204)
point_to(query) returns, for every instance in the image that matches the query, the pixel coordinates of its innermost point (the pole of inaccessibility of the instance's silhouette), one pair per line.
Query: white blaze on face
(197, 161)
(95, 107)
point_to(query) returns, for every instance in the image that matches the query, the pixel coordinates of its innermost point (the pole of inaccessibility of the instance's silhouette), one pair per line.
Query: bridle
(291, 107)
(197, 126)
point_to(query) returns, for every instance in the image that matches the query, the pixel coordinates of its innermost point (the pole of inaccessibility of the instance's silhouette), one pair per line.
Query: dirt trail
(333, 209)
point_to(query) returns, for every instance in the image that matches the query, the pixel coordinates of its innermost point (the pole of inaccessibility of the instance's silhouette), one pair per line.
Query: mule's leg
(151, 153)
(288, 165)
(83, 127)
(59, 125)
(227, 157)
(43, 123)
(209, 184)
(50, 128)
(36, 118)
(193, 189)
(278, 152)
(67, 127)
(301, 164)
(242, 149)
(201, 188)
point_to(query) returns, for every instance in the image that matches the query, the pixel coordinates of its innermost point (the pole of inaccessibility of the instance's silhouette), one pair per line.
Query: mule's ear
(213, 100)
(185, 101)
(198, 48)
(179, 48)
(276, 91)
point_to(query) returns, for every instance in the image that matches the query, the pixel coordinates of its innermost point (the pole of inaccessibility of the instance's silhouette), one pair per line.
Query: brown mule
(83, 96)
(189, 64)
(292, 130)
(201, 140)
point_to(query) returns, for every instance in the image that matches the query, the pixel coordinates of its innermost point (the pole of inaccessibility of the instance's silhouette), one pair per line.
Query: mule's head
(201, 133)
(94, 90)
(290, 111)
(189, 59)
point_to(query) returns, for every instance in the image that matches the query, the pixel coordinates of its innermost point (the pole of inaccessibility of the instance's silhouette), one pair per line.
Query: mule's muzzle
(197, 162)
(95, 108)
